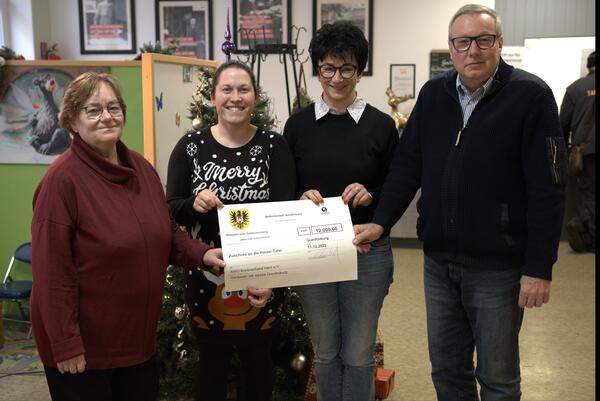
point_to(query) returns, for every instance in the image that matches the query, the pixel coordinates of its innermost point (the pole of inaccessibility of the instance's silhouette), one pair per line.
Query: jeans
(342, 318)
(472, 308)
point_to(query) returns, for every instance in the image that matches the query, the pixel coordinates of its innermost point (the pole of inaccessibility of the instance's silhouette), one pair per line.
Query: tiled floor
(557, 341)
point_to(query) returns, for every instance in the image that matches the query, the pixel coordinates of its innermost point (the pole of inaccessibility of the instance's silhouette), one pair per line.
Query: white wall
(19, 18)
(404, 31)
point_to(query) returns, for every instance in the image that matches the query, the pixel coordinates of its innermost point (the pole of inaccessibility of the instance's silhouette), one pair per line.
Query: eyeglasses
(94, 111)
(463, 43)
(328, 71)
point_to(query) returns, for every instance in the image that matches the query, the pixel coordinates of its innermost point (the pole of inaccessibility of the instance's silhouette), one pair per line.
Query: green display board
(19, 181)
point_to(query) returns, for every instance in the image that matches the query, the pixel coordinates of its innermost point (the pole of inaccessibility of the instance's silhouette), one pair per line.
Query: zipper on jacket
(458, 138)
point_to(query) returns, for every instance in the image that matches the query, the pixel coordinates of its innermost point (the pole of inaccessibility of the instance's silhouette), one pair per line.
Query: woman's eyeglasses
(94, 111)
(328, 71)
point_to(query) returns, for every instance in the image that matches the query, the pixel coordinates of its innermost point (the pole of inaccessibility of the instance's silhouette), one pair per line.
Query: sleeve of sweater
(289, 135)
(179, 180)
(282, 172)
(566, 115)
(543, 158)
(56, 290)
(185, 251)
(404, 176)
(388, 153)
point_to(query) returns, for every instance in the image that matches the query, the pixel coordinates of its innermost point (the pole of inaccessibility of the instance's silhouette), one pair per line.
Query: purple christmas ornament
(228, 46)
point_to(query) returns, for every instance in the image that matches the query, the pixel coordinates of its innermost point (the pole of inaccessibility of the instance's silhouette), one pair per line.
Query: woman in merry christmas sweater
(230, 162)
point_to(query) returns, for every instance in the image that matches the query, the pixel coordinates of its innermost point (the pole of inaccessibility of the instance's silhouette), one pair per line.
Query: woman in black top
(230, 162)
(342, 146)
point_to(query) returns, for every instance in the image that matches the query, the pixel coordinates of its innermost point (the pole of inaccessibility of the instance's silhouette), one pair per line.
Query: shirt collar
(479, 92)
(355, 110)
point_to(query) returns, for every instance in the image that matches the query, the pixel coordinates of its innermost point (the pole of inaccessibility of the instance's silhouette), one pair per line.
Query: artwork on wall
(402, 79)
(30, 98)
(358, 12)
(439, 62)
(261, 22)
(107, 26)
(187, 23)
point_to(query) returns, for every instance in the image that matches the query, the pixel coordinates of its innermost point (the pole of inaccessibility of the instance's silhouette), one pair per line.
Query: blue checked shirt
(468, 102)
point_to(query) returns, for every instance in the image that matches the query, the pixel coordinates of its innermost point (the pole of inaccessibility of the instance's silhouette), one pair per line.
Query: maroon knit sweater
(102, 239)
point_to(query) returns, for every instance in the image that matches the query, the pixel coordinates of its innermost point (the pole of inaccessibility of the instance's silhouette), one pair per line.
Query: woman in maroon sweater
(102, 239)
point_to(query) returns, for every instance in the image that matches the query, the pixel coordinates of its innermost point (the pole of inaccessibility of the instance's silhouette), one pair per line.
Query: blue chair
(17, 291)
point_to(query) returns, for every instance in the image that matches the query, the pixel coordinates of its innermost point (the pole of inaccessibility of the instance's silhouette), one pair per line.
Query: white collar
(355, 109)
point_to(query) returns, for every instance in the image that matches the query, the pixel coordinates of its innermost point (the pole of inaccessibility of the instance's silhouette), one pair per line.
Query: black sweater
(495, 198)
(335, 151)
(262, 170)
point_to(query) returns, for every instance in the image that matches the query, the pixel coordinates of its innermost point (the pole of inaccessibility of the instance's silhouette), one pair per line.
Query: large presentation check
(280, 244)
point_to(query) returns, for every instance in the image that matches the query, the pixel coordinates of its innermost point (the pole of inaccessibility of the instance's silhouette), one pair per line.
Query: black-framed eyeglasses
(484, 42)
(328, 71)
(94, 111)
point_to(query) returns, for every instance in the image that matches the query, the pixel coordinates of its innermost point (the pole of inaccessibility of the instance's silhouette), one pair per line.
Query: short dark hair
(591, 60)
(81, 89)
(339, 40)
(233, 64)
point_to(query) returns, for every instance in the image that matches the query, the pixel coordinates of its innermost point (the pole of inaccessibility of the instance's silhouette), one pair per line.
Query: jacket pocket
(504, 224)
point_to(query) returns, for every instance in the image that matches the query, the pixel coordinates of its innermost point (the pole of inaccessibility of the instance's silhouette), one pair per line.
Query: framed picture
(34, 92)
(439, 62)
(358, 12)
(107, 26)
(261, 22)
(187, 23)
(402, 79)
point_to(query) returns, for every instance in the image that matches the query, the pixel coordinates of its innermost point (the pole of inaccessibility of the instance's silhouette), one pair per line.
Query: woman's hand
(313, 195)
(205, 201)
(358, 194)
(72, 365)
(258, 297)
(214, 257)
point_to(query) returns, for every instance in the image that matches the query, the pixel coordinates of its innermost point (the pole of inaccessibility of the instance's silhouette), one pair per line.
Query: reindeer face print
(231, 308)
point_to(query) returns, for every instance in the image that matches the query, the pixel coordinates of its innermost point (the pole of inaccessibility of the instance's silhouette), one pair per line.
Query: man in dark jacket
(484, 145)
(578, 122)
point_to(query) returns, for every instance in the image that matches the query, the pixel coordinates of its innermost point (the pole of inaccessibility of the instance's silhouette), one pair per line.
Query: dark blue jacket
(495, 198)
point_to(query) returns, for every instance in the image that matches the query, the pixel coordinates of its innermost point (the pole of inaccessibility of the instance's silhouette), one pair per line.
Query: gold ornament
(180, 312)
(393, 100)
(197, 123)
(298, 362)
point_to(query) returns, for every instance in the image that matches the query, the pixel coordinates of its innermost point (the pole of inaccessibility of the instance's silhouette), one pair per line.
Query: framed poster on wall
(439, 62)
(358, 12)
(402, 79)
(187, 23)
(261, 22)
(107, 26)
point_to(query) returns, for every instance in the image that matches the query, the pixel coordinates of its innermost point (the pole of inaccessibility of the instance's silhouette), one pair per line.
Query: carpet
(19, 354)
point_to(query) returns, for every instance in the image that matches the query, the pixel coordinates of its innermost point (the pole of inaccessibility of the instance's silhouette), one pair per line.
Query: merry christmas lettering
(211, 174)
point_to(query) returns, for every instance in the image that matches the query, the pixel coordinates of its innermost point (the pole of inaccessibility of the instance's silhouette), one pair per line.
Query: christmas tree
(177, 356)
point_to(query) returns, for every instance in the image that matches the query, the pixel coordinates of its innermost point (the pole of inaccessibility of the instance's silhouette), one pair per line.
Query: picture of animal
(29, 107)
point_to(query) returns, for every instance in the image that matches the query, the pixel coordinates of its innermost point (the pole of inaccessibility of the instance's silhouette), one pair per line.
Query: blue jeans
(342, 318)
(472, 308)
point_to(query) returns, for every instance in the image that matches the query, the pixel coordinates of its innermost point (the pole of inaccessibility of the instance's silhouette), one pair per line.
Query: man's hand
(72, 365)
(364, 234)
(534, 292)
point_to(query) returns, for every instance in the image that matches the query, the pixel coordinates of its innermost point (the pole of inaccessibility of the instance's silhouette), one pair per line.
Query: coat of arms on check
(239, 219)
